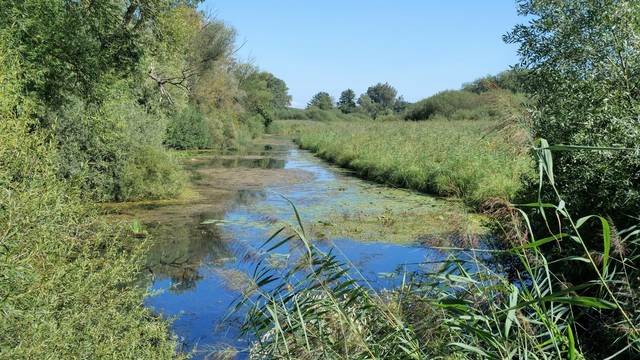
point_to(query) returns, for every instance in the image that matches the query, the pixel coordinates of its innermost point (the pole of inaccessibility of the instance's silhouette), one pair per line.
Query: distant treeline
(479, 99)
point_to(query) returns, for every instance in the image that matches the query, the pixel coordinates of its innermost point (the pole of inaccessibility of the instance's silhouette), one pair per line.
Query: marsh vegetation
(133, 152)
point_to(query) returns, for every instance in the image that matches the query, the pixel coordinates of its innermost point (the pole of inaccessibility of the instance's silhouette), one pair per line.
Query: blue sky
(420, 47)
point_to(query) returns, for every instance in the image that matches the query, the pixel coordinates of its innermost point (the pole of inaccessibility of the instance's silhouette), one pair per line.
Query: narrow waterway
(237, 204)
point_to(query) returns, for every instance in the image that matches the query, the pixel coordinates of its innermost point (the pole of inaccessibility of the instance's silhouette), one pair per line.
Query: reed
(466, 307)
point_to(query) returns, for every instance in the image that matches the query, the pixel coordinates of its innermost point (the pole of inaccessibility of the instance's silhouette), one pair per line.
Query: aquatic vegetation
(461, 308)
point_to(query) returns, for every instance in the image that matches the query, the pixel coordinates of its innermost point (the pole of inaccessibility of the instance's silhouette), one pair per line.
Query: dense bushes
(451, 104)
(97, 144)
(582, 69)
(189, 130)
(68, 278)
(317, 115)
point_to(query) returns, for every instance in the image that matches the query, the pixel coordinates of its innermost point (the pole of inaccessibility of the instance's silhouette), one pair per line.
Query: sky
(419, 47)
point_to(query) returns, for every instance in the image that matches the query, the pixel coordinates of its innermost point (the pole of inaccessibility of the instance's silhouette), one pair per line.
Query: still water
(238, 203)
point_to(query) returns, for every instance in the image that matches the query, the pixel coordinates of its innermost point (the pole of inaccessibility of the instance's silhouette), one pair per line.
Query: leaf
(470, 348)
(511, 314)
(606, 238)
(541, 242)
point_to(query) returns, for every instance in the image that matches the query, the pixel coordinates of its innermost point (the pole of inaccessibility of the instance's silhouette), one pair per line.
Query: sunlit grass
(473, 160)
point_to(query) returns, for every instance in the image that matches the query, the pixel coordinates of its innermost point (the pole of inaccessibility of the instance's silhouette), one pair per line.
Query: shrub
(149, 173)
(68, 278)
(250, 128)
(190, 129)
(290, 114)
(444, 103)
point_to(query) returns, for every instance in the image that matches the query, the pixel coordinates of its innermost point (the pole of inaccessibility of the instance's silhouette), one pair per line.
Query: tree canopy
(347, 101)
(322, 101)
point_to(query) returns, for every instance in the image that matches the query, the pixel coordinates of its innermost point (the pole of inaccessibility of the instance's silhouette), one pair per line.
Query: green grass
(476, 161)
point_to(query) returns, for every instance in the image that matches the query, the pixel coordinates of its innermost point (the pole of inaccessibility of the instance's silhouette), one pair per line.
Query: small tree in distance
(347, 101)
(321, 100)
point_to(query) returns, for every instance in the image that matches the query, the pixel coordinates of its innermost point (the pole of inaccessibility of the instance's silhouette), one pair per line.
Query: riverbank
(475, 161)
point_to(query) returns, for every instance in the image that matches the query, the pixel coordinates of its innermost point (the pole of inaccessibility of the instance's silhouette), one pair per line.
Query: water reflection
(251, 163)
(241, 207)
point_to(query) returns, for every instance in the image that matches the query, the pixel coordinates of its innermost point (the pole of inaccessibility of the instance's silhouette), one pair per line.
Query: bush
(189, 129)
(149, 173)
(290, 114)
(318, 115)
(97, 143)
(250, 128)
(68, 278)
(445, 103)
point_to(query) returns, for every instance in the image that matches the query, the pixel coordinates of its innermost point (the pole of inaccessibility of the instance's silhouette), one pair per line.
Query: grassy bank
(473, 160)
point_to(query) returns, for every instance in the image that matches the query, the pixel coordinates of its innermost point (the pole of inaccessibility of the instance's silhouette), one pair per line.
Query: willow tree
(583, 65)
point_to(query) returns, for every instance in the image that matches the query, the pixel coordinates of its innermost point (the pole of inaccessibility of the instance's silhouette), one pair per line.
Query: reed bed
(461, 308)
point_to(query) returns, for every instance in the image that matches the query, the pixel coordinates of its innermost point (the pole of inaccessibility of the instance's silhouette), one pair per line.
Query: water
(240, 204)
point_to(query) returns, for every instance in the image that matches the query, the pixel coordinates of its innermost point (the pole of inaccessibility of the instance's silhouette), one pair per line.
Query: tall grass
(473, 160)
(319, 308)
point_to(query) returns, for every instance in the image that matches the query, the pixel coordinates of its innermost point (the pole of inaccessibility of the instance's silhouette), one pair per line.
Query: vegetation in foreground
(317, 307)
(476, 161)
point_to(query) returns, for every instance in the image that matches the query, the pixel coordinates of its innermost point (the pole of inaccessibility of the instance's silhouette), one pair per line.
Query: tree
(347, 101)
(280, 91)
(383, 95)
(322, 101)
(69, 47)
(263, 89)
(583, 65)
(400, 104)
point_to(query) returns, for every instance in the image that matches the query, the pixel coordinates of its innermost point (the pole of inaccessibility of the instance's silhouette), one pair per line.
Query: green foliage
(347, 101)
(582, 65)
(472, 160)
(322, 101)
(188, 130)
(67, 277)
(383, 95)
(512, 80)
(582, 68)
(262, 90)
(451, 104)
(63, 45)
(380, 100)
(149, 172)
(280, 91)
(317, 115)
(97, 143)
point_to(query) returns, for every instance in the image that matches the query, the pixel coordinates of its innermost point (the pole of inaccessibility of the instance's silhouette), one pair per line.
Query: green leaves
(322, 101)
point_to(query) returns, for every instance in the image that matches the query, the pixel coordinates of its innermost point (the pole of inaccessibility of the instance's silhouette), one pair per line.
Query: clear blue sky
(420, 47)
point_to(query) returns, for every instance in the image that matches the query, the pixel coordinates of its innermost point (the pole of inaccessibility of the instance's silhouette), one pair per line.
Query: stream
(238, 202)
